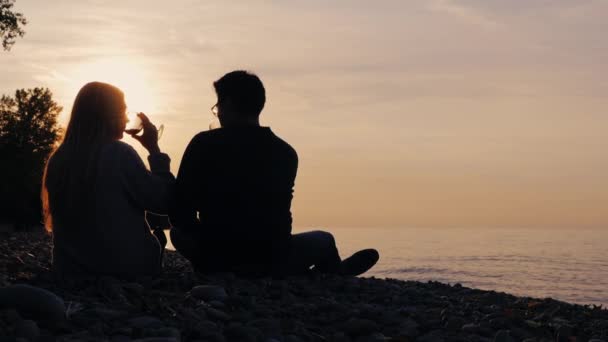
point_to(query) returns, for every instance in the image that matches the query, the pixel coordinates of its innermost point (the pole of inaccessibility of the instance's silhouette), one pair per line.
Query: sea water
(564, 264)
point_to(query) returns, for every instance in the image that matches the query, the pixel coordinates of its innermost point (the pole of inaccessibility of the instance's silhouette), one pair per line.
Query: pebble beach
(182, 305)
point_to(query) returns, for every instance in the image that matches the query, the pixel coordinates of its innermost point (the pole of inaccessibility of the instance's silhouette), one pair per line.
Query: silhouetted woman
(96, 190)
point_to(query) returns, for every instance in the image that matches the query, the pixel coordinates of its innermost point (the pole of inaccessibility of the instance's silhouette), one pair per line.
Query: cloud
(492, 13)
(466, 12)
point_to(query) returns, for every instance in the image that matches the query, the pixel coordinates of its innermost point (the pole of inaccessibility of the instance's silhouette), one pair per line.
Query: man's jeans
(315, 250)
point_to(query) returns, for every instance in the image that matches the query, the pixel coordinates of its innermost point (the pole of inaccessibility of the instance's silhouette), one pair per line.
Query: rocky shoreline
(185, 306)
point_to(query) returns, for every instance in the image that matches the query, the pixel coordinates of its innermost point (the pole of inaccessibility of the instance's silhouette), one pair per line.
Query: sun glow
(123, 73)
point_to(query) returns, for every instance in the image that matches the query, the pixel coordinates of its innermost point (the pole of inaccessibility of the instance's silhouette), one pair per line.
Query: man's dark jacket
(233, 194)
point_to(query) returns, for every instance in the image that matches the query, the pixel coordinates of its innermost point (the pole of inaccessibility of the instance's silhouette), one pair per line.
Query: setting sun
(127, 75)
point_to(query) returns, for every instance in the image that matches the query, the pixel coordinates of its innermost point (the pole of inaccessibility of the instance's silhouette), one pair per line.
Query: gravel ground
(181, 305)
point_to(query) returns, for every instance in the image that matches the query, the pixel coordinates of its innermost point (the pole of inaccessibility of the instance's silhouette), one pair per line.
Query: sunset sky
(434, 113)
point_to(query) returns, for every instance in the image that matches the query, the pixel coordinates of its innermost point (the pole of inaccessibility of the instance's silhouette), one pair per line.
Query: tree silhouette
(10, 24)
(28, 134)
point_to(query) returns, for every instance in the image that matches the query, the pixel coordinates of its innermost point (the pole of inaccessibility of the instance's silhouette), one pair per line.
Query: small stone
(145, 322)
(270, 327)
(214, 337)
(454, 323)
(238, 332)
(470, 328)
(206, 326)
(359, 327)
(134, 288)
(217, 304)
(563, 333)
(123, 331)
(207, 331)
(408, 310)
(503, 336)
(217, 314)
(498, 322)
(27, 329)
(533, 324)
(340, 337)
(107, 314)
(291, 338)
(408, 328)
(96, 329)
(432, 336)
(376, 337)
(120, 338)
(167, 332)
(209, 292)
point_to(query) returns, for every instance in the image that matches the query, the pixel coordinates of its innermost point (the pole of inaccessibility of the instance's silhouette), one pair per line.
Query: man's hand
(149, 139)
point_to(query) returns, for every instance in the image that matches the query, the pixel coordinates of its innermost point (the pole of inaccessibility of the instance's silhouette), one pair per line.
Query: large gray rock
(27, 329)
(33, 302)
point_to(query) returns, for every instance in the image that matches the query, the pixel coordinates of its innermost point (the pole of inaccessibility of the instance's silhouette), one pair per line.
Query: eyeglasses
(215, 110)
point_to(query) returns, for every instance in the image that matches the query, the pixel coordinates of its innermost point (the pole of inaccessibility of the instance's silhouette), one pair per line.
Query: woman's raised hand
(149, 139)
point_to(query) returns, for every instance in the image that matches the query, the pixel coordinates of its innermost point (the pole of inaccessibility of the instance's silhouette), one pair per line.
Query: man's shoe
(359, 262)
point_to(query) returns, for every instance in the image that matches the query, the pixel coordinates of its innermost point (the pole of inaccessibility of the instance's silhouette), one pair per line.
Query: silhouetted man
(233, 196)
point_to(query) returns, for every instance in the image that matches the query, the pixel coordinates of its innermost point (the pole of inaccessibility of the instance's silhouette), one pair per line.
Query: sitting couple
(229, 206)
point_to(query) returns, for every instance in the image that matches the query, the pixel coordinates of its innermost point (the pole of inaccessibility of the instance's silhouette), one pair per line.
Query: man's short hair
(245, 91)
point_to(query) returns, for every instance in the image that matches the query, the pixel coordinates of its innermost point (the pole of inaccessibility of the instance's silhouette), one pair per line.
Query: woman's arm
(149, 190)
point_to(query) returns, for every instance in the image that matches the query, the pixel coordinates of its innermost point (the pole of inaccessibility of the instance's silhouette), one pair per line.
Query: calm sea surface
(569, 265)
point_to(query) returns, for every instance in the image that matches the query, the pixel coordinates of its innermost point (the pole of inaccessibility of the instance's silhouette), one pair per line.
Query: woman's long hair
(68, 185)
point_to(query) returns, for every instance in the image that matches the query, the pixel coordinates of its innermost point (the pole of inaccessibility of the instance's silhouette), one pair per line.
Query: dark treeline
(28, 134)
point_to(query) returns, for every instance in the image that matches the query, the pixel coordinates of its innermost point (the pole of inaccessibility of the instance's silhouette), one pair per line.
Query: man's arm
(183, 211)
(284, 217)
(293, 173)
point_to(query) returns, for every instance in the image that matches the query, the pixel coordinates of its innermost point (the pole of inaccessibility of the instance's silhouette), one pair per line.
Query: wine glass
(135, 125)
(215, 123)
